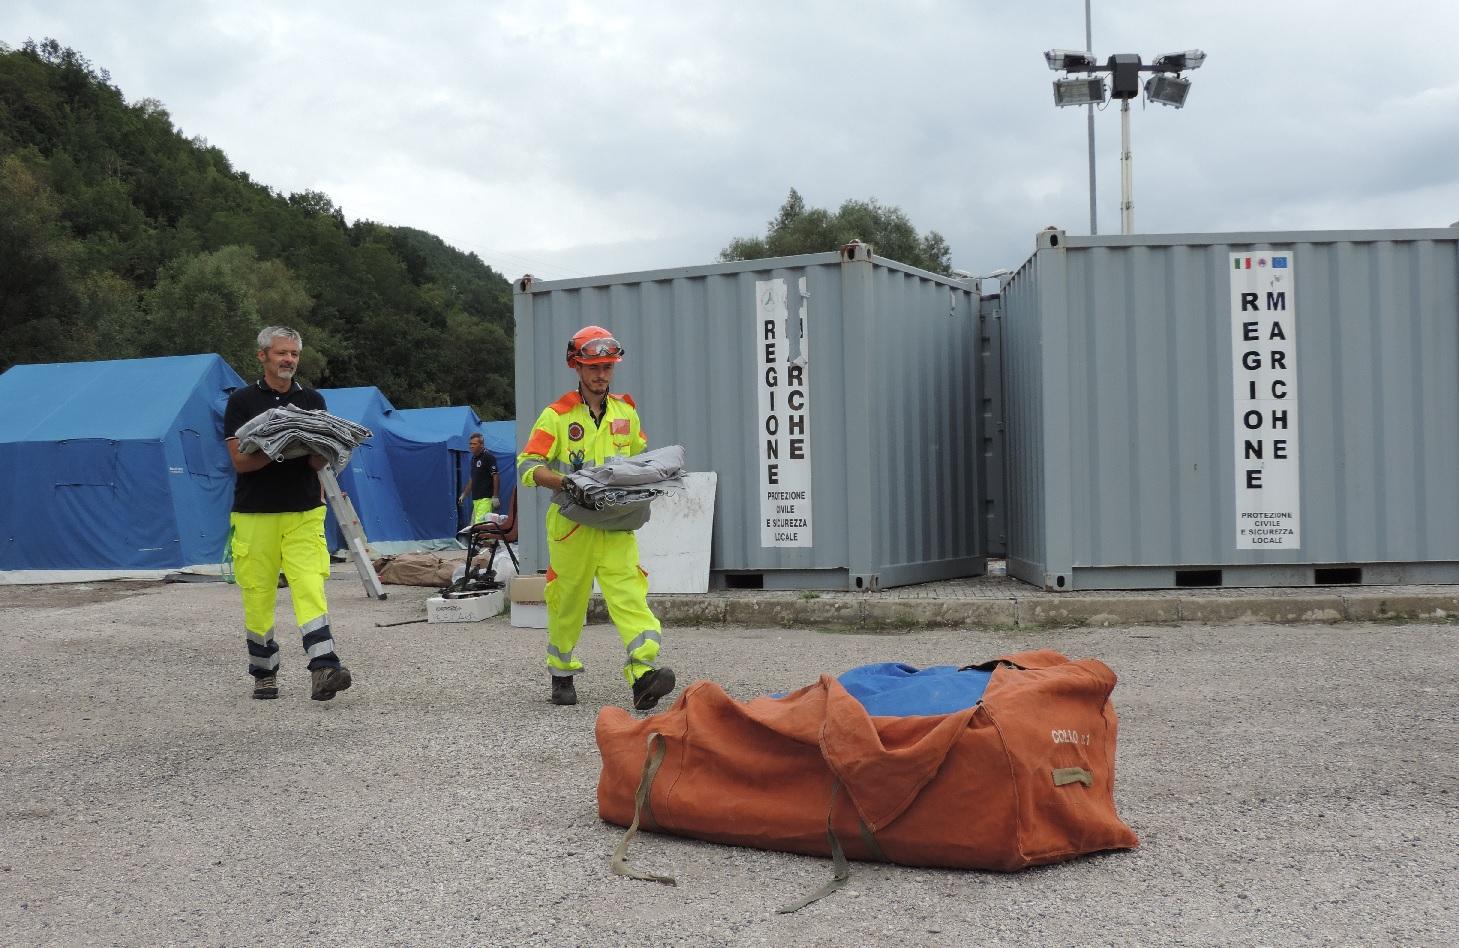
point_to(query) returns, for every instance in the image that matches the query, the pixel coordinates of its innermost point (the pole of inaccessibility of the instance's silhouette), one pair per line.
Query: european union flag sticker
(1279, 263)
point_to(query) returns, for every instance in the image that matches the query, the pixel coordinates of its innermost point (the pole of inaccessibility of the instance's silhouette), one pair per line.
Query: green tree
(110, 311)
(37, 291)
(797, 229)
(217, 302)
(120, 237)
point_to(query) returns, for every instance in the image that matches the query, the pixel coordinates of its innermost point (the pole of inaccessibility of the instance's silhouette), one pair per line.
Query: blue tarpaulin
(889, 688)
(113, 468)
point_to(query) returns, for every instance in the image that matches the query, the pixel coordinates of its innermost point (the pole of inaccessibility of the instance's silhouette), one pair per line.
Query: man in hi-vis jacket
(583, 428)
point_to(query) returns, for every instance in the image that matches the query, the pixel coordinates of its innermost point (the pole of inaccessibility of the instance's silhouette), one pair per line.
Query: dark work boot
(651, 686)
(266, 686)
(329, 679)
(563, 691)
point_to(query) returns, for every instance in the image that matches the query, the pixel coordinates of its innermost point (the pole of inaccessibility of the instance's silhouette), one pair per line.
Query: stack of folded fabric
(615, 495)
(289, 432)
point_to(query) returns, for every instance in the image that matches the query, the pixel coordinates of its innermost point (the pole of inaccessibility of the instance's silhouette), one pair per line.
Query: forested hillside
(121, 238)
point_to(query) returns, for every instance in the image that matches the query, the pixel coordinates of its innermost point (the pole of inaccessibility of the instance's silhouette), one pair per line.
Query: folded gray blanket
(289, 432)
(616, 494)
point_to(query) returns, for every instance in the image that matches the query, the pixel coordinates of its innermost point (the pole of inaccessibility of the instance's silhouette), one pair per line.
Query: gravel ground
(1291, 785)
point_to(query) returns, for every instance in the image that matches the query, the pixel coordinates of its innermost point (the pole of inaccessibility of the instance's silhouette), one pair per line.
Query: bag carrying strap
(1067, 775)
(619, 863)
(841, 868)
(869, 841)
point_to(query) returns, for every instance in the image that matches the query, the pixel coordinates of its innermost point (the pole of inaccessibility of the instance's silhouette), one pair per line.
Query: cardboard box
(529, 606)
(528, 589)
(471, 608)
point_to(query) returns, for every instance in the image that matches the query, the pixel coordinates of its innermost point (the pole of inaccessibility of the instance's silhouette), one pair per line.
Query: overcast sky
(572, 139)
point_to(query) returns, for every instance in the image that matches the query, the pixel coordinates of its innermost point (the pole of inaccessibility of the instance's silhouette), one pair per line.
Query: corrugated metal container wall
(889, 362)
(1126, 397)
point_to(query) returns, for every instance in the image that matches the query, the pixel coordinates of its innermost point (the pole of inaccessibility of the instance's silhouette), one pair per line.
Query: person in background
(278, 523)
(484, 488)
(582, 428)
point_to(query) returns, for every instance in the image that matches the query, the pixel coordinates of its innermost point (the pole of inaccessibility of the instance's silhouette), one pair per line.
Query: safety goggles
(601, 348)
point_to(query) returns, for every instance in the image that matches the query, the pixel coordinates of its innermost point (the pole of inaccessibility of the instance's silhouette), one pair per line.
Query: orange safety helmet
(593, 345)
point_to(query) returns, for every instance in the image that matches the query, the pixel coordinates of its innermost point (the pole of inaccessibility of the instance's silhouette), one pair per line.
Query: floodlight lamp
(1180, 62)
(1068, 60)
(1079, 91)
(1168, 90)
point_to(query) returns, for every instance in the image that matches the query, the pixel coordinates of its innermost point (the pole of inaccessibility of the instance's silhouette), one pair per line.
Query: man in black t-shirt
(278, 523)
(484, 484)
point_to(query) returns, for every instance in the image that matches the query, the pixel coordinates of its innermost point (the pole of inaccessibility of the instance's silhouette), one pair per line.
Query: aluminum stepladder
(349, 525)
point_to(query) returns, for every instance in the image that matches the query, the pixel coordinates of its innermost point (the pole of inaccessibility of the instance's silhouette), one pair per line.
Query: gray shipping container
(1246, 409)
(829, 392)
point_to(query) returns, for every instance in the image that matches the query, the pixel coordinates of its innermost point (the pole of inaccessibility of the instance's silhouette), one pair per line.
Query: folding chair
(486, 538)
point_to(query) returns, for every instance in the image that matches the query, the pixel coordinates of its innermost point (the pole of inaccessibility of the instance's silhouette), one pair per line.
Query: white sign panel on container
(673, 547)
(783, 435)
(1264, 370)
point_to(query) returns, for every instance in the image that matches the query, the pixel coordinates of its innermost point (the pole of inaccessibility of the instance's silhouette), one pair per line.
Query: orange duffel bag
(1023, 777)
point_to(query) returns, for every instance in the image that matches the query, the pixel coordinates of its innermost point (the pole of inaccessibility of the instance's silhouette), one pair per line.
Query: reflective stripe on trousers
(264, 544)
(579, 555)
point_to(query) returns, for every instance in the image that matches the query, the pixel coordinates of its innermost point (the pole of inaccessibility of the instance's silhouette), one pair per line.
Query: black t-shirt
(283, 486)
(483, 469)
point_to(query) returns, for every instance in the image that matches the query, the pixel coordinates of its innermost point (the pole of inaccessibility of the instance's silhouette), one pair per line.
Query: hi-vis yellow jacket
(565, 438)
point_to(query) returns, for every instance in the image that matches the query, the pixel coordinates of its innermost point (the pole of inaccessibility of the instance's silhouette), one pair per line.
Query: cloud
(585, 137)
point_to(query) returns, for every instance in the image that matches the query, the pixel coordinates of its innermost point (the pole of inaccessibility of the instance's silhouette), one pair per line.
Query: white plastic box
(529, 602)
(472, 608)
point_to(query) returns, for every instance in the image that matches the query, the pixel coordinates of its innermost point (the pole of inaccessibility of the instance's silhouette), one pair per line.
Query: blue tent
(405, 480)
(113, 469)
(430, 450)
(370, 479)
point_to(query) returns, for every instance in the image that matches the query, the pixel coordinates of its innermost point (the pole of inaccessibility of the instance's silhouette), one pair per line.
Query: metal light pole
(1127, 172)
(1166, 86)
(1093, 212)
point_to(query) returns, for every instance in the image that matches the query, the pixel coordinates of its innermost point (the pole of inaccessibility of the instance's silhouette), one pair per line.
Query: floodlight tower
(1166, 86)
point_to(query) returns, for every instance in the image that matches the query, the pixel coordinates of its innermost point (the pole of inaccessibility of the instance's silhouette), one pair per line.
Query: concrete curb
(882, 612)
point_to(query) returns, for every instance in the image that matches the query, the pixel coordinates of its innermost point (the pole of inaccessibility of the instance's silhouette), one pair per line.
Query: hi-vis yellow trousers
(263, 544)
(578, 555)
(483, 508)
